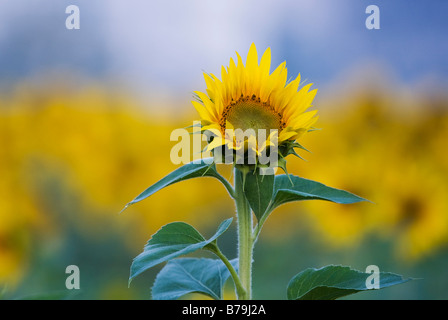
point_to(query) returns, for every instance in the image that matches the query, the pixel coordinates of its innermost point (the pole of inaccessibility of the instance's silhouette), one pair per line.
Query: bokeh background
(86, 117)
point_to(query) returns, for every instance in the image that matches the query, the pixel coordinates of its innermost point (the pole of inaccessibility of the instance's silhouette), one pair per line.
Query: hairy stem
(245, 241)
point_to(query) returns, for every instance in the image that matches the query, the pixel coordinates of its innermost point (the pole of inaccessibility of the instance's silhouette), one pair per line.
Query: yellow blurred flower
(417, 207)
(76, 157)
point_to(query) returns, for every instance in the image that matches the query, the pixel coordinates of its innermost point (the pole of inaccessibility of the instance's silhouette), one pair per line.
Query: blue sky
(163, 46)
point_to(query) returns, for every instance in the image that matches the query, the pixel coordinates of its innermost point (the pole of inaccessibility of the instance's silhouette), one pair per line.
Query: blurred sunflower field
(86, 118)
(70, 159)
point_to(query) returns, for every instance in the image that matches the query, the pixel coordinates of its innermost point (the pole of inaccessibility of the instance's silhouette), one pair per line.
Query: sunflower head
(253, 110)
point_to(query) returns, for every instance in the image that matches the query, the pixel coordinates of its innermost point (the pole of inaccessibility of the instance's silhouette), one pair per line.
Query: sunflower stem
(245, 240)
(238, 286)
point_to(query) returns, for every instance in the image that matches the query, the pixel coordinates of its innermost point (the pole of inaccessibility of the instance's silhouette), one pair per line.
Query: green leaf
(333, 282)
(304, 189)
(188, 275)
(195, 169)
(293, 188)
(258, 191)
(171, 241)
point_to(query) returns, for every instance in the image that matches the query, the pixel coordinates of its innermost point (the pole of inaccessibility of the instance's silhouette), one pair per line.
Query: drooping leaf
(333, 282)
(188, 275)
(258, 191)
(171, 241)
(293, 188)
(195, 169)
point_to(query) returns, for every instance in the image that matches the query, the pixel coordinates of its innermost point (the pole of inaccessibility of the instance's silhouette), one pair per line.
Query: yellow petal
(265, 63)
(208, 104)
(285, 135)
(217, 142)
(203, 112)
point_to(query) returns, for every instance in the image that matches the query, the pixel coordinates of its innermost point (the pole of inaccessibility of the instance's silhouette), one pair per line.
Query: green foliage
(258, 191)
(188, 275)
(333, 282)
(195, 169)
(288, 188)
(264, 193)
(171, 241)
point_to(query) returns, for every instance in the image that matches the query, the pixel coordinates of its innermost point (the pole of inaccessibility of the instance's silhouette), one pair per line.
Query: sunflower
(263, 105)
